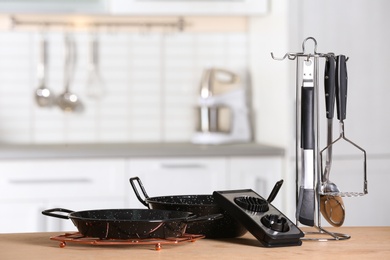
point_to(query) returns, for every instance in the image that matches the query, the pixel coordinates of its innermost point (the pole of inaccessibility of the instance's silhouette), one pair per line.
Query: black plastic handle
(307, 117)
(49, 212)
(330, 86)
(341, 87)
(132, 182)
(275, 191)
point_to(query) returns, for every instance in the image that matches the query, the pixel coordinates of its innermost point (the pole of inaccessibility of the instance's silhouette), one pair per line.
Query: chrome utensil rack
(320, 233)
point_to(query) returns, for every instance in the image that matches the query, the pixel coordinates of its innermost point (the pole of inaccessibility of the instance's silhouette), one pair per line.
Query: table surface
(365, 243)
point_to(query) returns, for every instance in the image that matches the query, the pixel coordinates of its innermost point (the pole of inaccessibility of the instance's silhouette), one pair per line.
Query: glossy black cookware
(129, 223)
(200, 205)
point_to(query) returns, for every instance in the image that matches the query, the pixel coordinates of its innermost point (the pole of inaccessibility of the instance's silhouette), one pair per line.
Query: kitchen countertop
(365, 243)
(19, 151)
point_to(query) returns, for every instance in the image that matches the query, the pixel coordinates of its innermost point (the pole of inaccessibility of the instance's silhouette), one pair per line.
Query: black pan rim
(189, 216)
(157, 200)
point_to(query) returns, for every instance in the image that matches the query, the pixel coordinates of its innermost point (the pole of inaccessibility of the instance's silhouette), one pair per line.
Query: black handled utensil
(341, 87)
(306, 198)
(330, 92)
(341, 102)
(331, 207)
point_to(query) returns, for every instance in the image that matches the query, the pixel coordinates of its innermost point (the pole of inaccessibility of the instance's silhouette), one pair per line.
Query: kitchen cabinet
(54, 6)
(194, 7)
(29, 186)
(26, 216)
(137, 7)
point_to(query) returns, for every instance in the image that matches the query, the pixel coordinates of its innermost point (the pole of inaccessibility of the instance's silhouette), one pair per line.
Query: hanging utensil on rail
(95, 83)
(341, 103)
(306, 199)
(331, 207)
(69, 101)
(44, 97)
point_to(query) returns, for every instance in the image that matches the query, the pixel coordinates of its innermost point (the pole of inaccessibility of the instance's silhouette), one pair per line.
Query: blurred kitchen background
(151, 61)
(150, 82)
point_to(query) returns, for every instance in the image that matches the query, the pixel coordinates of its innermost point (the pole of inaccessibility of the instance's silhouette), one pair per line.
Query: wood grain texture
(365, 243)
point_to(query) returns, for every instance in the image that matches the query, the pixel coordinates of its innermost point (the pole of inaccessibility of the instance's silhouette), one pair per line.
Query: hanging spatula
(306, 199)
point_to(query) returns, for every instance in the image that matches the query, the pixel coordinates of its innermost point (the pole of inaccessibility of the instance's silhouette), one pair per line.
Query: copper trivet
(80, 239)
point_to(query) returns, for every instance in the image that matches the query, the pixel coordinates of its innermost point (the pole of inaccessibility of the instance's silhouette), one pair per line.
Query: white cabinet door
(257, 173)
(26, 216)
(50, 180)
(21, 217)
(178, 176)
(29, 186)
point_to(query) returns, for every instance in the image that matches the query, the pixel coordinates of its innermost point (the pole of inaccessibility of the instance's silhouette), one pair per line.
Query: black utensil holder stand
(318, 233)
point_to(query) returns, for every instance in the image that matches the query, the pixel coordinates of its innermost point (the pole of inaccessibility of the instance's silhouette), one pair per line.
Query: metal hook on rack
(289, 55)
(294, 55)
(315, 44)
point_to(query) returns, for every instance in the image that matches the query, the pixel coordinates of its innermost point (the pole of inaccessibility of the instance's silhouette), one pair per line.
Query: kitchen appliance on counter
(223, 112)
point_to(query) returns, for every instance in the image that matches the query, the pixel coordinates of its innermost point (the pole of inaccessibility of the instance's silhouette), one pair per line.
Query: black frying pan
(201, 205)
(129, 223)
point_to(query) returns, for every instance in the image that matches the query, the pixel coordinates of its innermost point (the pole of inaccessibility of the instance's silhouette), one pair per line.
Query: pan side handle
(49, 212)
(194, 218)
(132, 182)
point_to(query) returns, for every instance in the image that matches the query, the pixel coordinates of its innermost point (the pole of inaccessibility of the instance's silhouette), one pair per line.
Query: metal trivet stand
(77, 238)
(319, 233)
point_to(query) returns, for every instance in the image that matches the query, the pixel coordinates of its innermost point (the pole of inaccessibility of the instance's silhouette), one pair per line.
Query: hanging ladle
(43, 95)
(69, 101)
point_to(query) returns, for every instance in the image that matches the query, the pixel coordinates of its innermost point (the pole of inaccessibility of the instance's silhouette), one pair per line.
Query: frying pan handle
(204, 218)
(49, 212)
(132, 182)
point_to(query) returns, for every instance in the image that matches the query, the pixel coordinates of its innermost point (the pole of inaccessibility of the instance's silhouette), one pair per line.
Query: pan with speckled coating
(129, 223)
(201, 205)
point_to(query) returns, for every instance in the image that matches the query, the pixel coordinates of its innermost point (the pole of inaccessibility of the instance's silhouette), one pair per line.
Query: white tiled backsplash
(151, 81)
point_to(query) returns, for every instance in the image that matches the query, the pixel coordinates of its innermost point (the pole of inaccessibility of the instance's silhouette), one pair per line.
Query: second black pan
(200, 205)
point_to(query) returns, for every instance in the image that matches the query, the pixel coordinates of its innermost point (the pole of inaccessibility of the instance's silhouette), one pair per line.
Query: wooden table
(365, 243)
